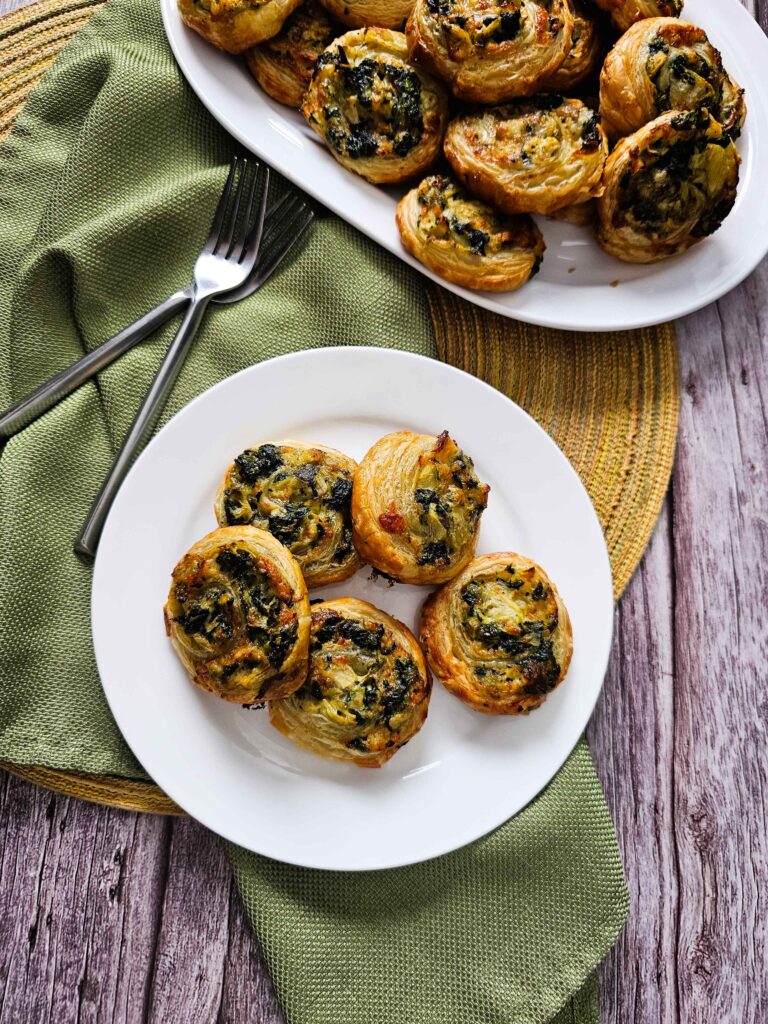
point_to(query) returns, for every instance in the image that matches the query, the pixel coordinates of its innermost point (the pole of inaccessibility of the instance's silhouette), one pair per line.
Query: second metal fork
(226, 260)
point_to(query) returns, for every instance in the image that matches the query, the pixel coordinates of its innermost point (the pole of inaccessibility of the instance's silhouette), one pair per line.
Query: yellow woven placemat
(611, 401)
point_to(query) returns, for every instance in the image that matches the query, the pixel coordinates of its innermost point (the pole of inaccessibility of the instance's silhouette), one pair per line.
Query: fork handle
(142, 426)
(69, 379)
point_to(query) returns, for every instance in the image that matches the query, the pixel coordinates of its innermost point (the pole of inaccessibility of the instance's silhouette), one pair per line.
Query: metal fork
(227, 258)
(285, 222)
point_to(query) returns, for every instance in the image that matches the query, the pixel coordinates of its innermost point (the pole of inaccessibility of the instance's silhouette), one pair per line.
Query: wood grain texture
(113, 917)
(681, 732)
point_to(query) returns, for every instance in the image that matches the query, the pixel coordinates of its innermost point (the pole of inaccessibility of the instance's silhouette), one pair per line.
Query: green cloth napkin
(107, 185)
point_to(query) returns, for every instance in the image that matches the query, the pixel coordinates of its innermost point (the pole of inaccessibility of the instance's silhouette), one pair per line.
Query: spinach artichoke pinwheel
(238, 616)
(416, 507)
(368, 688)
(498, 636)
(466, 241)
(283, 65)
(665, 64)
(491, 50)
(667, 187)
(379, 116)
(236, 25)
(301, 494)
(626, 12)
(529, 156)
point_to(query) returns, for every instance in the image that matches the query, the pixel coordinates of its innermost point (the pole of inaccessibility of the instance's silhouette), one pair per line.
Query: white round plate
(579, 287)
(464, 773)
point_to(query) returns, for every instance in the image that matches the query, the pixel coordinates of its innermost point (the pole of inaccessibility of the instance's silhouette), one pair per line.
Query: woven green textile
(107, 185)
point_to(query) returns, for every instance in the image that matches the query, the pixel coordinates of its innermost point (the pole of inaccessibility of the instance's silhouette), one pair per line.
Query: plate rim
(599, 671)
(172, 24)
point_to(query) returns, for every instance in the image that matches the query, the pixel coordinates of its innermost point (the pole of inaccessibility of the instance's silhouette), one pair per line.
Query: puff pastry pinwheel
(584, 56)
(283, 65)
(380, 117)
(498, 636)
(491, 50)
(466, 241)
(236, 25)
(368, 688)
(667, 186)
(373, 13)
(301, 494)
(238, 616)
(626, 12)
(666, 64)
(416, 507)
(529, 156)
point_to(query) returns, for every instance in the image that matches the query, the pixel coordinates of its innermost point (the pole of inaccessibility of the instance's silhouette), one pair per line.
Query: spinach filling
(299, 495)
(245, 608)
(689, 178)
(374, 106)
(497, 22)
(511, 617)
(359, 678)
(683, 77)
(447, 504)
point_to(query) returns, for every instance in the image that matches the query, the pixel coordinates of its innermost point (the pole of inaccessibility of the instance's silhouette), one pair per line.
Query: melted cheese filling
(231, 607)
(541, 133)
(685, 77)
(299, 495)
(303, 38)
(510, 618)
(447, 213)
(360, 680)
(471, 25)
(690, 179)
(371, 107)
(446, 505)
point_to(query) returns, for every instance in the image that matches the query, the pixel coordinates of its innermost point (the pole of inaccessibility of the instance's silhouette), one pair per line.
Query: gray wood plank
(631, 740)
(681, 732)
(720, 501)
(80, 896)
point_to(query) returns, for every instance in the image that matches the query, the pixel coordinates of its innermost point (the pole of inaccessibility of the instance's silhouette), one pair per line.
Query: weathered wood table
(114, 917)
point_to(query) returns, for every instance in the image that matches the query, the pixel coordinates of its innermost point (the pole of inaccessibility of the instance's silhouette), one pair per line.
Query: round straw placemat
(611, 401)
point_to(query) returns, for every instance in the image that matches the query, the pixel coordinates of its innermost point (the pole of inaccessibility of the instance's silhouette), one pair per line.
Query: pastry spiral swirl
(283, 65)
(626, 12)
(416, 507)
(236, 25)
(491, 50)
(665, 64)
(466, 241)
(370, 13)
(584, 56)
(368, 688)
(530, 156)
(667, 186)
(498, 636)
(302, 496)
(380, 117)
(238, 616)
